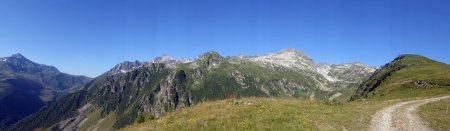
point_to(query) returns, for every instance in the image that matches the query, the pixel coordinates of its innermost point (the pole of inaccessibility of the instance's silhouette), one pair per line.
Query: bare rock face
(126, 66)
(170, 94)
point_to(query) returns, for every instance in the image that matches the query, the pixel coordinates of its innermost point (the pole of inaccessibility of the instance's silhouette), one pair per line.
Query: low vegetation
(437, 115)
(407, 76)
(266, 114)
(407, 92)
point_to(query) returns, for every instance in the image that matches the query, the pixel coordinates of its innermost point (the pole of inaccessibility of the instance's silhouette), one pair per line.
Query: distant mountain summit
(17, 56)
(26, 86)
(290, 58)
(126, 66)
(170, 60)
(17, 63)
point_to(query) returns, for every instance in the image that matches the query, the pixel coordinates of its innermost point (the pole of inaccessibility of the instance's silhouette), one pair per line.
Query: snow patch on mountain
(325, 72)
(297, 60)
(348, 72)
(335, 96)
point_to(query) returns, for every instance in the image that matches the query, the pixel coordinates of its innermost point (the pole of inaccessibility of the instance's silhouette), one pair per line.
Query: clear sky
(88, 37)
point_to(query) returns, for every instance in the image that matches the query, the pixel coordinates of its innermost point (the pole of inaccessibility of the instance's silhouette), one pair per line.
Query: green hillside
(406, 77)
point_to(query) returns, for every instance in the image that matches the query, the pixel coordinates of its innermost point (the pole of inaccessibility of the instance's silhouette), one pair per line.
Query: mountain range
(133, 92)
(165, 84)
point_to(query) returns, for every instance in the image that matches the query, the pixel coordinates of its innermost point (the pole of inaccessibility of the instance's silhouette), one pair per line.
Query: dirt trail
(402, 116)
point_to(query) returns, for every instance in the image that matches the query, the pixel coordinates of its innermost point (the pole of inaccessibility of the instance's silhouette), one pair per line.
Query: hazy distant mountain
(165, 84)
(26, 86)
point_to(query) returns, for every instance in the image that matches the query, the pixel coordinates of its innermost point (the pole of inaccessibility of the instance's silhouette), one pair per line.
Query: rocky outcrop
(126, 66)
(379, 76)
(170, 60)
(210, 59)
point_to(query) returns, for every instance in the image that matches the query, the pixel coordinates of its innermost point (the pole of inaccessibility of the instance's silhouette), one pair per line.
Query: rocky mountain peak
(323, 64)
(163, 59)
(20, 63)
(126, 66)
(290, 58)
(295, 54)
(292, 50)
(209, 55)
(170, 60)
(17, 55)
(210, 59)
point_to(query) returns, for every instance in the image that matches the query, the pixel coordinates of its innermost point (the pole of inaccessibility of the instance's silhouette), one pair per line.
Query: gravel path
(402, 116)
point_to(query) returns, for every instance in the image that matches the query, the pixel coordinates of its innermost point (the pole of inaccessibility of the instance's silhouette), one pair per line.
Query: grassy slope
(255, 77)
(414, 68)
(266, 114)
(437, 114)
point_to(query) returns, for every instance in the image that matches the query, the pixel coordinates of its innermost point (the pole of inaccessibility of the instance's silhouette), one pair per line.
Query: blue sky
(88, 37)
